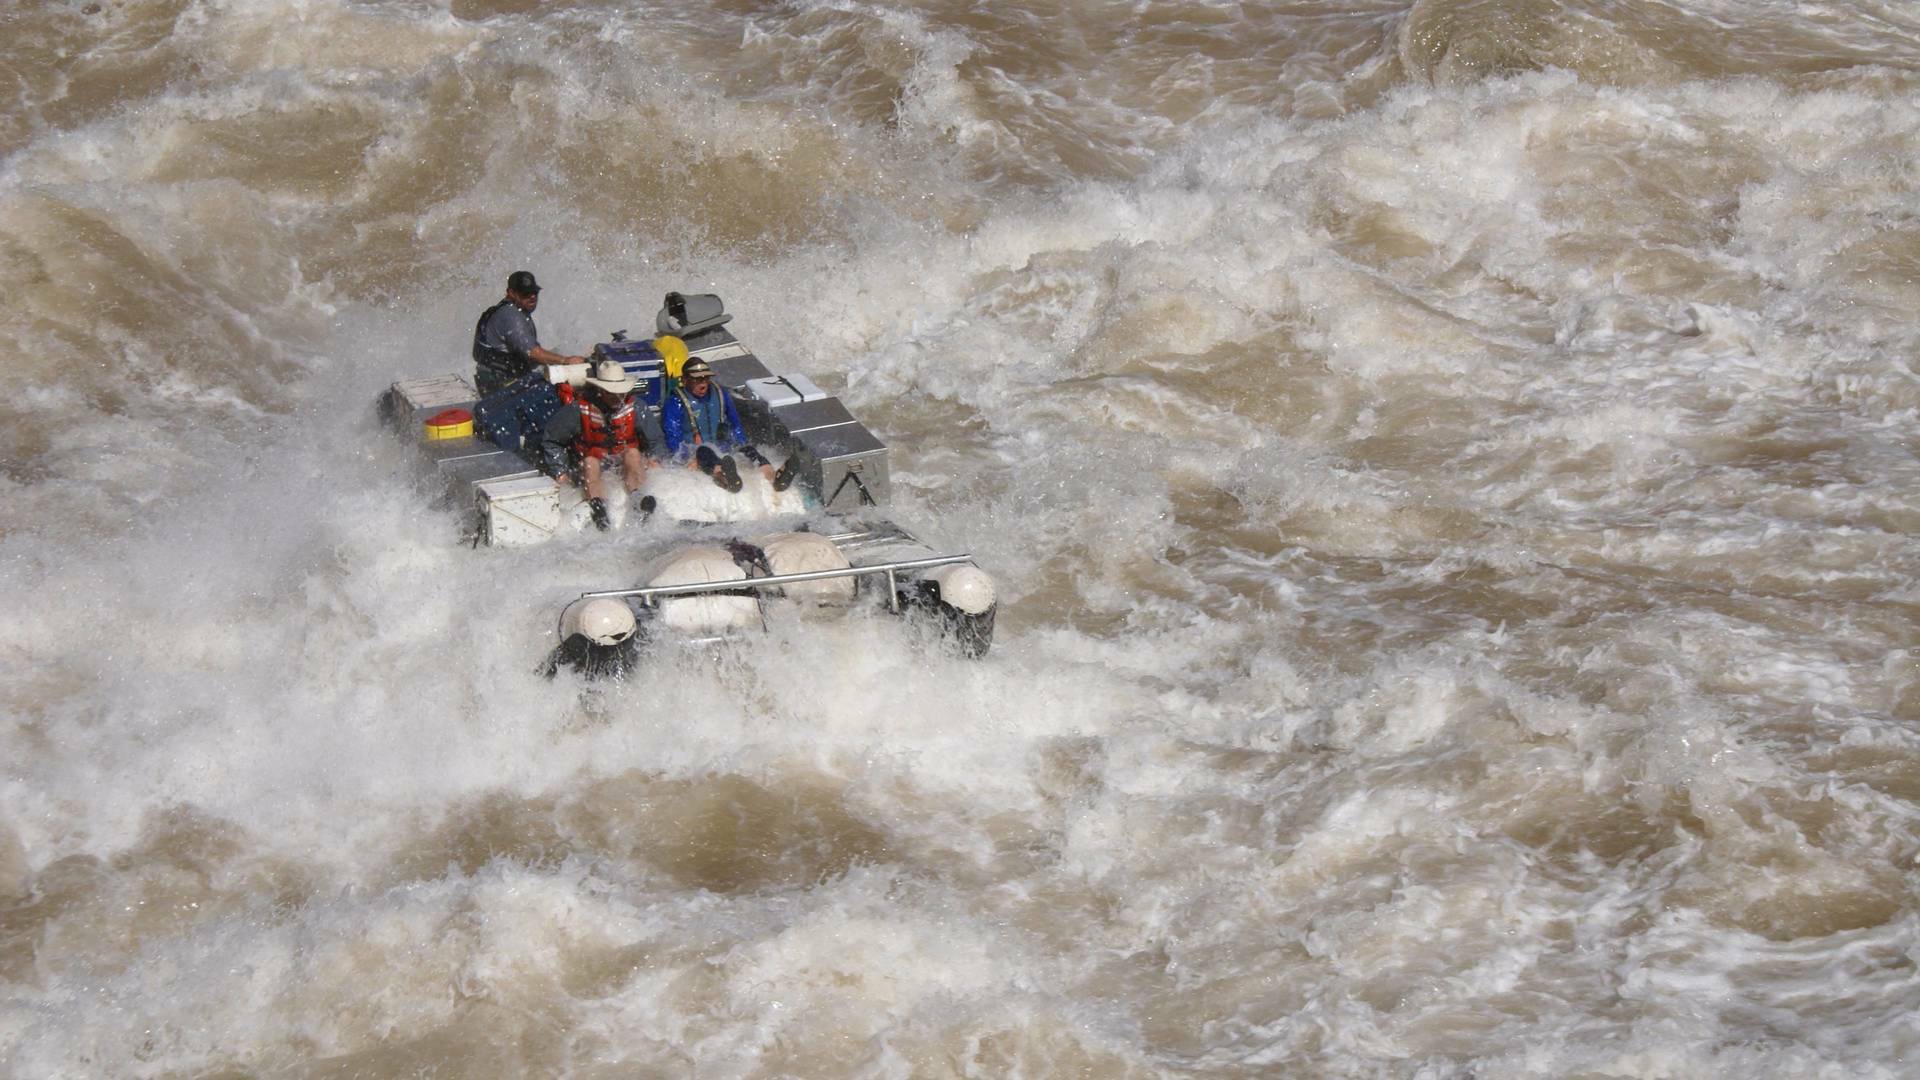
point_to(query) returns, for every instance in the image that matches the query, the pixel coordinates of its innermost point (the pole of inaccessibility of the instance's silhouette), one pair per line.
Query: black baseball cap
(521, 281)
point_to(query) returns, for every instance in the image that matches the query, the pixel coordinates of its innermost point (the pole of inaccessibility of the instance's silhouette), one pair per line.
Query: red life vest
(602, 435)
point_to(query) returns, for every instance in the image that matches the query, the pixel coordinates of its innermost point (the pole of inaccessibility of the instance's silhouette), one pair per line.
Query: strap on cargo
(866, 497)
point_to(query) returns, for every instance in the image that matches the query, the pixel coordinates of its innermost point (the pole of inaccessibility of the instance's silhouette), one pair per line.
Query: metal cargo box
(852, 465)
(638, 359)
(733, 365)
(807, 415)
(470, 460)
(519, 510)
(781, 391)
(410, 401)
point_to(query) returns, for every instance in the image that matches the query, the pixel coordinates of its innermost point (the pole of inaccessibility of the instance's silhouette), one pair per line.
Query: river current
(1449, 467)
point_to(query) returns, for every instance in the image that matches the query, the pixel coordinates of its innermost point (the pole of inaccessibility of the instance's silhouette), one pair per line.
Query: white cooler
(519, 510)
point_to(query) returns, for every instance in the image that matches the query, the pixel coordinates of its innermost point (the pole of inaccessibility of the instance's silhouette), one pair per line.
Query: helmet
(673, 352)
(605, 622)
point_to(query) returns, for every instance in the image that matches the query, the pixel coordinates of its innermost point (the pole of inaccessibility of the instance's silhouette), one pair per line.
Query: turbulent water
(1450, 469)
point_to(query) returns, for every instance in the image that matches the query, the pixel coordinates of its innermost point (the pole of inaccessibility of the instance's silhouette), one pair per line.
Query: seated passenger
(599, 423)
(505, 344)
(701, 426)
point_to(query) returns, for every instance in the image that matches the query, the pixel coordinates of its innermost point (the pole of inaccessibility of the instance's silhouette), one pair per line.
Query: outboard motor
(689, 317)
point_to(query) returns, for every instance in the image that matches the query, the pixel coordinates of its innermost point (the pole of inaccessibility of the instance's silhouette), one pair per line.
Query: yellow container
(452, 424)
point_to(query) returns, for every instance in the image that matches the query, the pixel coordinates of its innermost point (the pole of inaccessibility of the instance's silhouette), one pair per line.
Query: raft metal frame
(650, 593)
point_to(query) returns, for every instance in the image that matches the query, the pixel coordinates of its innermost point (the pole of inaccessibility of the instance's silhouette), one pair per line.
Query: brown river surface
(1449, 468)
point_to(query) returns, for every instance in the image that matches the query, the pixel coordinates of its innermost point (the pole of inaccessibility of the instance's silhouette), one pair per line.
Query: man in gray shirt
(505, 344)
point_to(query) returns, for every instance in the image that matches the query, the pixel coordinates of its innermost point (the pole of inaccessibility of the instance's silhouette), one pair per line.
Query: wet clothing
(594, 661)
(582, 429)
(503, 342)
(607, 434)
(687, 421)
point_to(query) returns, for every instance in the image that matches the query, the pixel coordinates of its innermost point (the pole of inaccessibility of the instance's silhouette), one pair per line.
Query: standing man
(505, 344)
(600, 427)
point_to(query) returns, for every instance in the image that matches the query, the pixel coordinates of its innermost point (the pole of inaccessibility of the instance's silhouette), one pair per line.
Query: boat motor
(690, 316)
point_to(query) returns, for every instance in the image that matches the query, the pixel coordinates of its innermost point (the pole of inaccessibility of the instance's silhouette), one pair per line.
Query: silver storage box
(733, 366)
(518, 510)
(410, 401)
(781, 391)
(807, 415)
(852, 463)
(468, 461)
(777, 424)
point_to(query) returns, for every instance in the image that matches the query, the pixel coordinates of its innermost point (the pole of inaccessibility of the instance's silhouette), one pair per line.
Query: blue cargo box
(640, 360)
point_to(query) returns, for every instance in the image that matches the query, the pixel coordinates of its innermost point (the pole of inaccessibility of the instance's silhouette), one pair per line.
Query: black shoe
(645, 504)
(729, 477)
(783, 479)
(600, 519)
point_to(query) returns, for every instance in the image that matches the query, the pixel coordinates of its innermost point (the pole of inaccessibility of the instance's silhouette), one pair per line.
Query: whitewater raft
(707, 564)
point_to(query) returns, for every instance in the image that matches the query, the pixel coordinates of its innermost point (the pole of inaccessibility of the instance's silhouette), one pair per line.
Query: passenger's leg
(590, 477)
(633, 468)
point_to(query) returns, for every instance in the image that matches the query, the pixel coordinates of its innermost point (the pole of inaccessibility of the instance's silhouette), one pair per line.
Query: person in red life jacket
(598, 424)
(700, 426)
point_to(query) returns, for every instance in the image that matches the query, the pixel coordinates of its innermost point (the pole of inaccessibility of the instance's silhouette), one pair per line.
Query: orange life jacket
(602, 435)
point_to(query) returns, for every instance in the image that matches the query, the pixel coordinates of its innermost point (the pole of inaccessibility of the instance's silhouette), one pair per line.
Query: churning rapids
(1450, 467)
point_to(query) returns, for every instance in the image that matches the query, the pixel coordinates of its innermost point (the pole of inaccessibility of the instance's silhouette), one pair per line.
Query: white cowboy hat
(608, 375)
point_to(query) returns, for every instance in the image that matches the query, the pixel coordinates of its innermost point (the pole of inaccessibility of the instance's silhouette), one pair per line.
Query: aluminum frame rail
(650, 592)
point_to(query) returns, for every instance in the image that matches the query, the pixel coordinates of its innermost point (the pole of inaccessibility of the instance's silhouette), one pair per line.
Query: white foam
(1454, 545)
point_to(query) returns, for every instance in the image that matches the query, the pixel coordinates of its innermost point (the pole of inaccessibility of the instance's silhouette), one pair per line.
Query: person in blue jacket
(702, 428)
